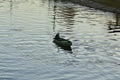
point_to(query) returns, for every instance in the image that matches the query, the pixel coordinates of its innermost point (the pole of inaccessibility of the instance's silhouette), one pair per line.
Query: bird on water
(63, 43)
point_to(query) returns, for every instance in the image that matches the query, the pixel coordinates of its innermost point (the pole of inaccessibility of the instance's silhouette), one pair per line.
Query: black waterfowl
(63, 43)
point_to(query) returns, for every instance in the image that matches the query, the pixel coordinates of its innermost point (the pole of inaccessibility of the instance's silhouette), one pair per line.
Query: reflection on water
(114, 26)
(66, 15)
(27, 28)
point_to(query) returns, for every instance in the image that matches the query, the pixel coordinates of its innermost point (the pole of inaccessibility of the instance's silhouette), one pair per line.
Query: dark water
(27, 28)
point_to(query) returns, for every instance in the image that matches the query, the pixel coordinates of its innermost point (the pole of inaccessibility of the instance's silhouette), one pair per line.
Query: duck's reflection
(68, 48)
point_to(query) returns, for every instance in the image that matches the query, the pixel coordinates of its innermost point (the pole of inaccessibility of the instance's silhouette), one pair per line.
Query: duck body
(61, 42)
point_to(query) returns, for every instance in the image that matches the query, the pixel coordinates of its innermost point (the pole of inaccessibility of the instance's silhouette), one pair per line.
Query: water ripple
(28, 53)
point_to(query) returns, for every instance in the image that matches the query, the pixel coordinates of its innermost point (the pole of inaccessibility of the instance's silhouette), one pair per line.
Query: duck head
(57, 37)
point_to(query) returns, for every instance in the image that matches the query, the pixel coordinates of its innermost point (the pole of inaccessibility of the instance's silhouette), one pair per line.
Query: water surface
(27, 28)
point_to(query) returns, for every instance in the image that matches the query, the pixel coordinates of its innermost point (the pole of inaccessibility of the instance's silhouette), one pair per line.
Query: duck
(64, 43)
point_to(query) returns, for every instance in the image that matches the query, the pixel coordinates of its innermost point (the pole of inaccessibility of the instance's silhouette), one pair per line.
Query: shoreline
(96, 5)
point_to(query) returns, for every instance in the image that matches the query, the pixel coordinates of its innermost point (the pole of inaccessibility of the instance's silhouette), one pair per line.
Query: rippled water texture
(27, 28)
